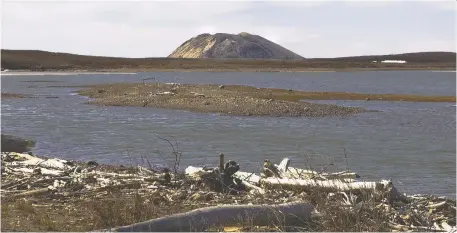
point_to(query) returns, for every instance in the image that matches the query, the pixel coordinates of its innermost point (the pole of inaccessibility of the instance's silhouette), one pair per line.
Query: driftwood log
(384, 187)
(204, 218)
(283, 170)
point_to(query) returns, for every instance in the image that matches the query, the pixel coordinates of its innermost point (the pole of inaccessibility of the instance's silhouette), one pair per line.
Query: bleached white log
(436, 205)
(205, 218)
(43, 171)
(249, 177)
(329, 185)
(447, 227)
(381, 187)
(284, 165)
(191, 170)
(297, 173)
(23, 156)
(55, 163)
(253, 187)
(50, 172)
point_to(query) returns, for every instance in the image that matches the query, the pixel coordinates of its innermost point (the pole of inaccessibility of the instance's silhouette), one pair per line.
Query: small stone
(207, 103)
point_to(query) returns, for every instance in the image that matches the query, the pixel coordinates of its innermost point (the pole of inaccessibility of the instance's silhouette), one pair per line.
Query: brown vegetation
(34, 60)
(12, 96)
(82, 196)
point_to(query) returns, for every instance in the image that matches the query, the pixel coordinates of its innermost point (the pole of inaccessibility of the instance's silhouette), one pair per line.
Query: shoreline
(272, 70)
(51, 194)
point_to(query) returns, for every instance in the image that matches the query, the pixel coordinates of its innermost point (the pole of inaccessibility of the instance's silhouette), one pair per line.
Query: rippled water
(412, 143)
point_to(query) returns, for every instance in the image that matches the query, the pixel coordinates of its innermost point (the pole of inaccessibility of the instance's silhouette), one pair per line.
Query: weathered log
(437, 205)
(248, 177)
(326, 185)
(253, 187)
(303, 173)
(42, 171)
(195, 172)
(33, 192)
(283, 170)
(204, 218)
(384, 187)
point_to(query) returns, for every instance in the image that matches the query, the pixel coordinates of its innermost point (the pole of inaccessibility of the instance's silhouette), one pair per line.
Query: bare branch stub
(177, 155)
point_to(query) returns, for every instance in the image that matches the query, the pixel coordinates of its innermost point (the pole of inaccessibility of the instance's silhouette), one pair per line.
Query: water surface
(411, 143)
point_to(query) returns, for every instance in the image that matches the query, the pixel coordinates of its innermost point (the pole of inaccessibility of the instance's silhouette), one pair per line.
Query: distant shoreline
(270, 70)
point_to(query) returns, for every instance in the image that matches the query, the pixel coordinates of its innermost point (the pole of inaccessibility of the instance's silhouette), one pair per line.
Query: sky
(156, 28)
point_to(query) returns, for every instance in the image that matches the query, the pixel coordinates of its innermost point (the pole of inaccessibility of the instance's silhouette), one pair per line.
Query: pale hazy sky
(156, 28)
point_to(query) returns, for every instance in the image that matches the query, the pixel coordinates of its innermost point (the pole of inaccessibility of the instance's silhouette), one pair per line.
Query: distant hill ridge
(422, 57)
(41, 60)
(224, 45)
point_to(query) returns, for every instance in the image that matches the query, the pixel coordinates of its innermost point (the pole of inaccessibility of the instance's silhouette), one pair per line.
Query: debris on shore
(224, 189)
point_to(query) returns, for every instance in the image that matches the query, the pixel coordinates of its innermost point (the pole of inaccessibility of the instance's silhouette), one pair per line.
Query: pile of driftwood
(405, 213)
(228, 193)
(26, 175)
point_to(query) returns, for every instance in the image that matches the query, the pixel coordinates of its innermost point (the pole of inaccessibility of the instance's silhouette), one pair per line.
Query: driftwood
(204, 218)
(252, 181)
(283, 170)
(326, 185)
(32, 192)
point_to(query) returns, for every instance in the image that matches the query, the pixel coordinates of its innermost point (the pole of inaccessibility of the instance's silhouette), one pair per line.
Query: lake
(411, 143)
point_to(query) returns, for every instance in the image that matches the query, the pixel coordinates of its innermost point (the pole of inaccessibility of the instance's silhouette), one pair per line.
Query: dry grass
(114, 210)
(13, 96)
(82, 215)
